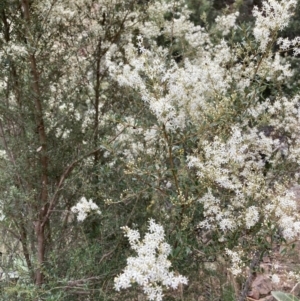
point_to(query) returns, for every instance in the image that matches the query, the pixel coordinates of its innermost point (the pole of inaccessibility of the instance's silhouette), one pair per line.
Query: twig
(254, 263)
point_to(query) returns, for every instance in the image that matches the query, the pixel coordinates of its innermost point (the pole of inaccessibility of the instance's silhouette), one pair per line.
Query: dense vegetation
(174, 123)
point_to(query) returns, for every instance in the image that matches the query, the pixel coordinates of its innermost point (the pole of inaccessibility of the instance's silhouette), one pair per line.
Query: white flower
(3, 154)
(237, 263)
(273, 16)
(83, 208)
(275, 278)
(252, 217)
(168, 184)
(150, 269)
(225, 23)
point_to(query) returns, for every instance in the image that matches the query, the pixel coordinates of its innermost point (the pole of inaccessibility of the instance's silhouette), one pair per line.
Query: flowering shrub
(153, 117)
(245, 135)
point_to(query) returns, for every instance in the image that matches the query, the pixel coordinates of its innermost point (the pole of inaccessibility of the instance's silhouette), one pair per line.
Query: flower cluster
(273, 16)
(150, 269)
(237, 262)
(225, 23)
(83, 208)
(286, 44)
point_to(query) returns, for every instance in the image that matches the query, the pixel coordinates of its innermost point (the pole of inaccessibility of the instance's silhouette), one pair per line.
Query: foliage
(280, 296)
(147, 112)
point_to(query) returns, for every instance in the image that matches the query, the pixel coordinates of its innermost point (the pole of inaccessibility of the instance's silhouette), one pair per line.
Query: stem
(174, 172)
(97, 99)
(171, 159)
(39, 226)
(253, 265)
(23, 238)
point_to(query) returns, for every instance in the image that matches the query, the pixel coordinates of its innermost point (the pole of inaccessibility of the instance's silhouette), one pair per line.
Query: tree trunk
(40, 223)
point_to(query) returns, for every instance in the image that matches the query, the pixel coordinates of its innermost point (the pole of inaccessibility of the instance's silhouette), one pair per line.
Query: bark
(39, 224)
(23, 238)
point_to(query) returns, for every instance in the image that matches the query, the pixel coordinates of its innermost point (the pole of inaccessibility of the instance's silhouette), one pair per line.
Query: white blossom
(225, 23)
(236, 261)
(83, 208)
(150, 269)
(273, 16)
(275, 279)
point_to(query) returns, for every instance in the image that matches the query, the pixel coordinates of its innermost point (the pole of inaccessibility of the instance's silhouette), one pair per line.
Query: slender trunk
(23, 238)
(39, 224)
(39, 276)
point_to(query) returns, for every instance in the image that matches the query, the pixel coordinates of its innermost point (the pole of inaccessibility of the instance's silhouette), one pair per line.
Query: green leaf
(280, 296)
